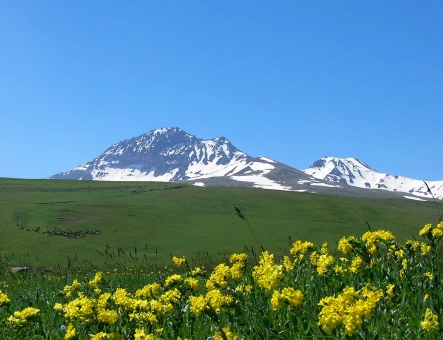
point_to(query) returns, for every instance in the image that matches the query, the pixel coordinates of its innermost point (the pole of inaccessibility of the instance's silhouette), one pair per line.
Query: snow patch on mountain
(354, 172)
(415, 198)
(260, 181)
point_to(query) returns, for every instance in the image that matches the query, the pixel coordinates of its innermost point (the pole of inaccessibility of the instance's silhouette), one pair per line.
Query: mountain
(172, 155)
(354, 172)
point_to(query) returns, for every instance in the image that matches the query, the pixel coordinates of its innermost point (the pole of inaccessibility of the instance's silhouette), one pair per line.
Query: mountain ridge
(173, 155)
(354, 172)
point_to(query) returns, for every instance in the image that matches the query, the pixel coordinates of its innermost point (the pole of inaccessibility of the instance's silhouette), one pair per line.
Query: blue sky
(290, 80)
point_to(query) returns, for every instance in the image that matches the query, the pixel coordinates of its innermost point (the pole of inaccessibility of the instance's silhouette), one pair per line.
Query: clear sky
(290, 80)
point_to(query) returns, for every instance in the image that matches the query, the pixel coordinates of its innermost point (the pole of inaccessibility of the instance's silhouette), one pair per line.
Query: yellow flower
(4, 298)
(413, 243)
(348, 309)
(238, 258)
(426, 229)
(288, 264)
(107, 336)
(371, 238)
(192, 282)
(225, 334)
(81, 308)
(246, 289)
(197, 271)
(289, 295)
(324, 248)
(215, 299)
(198, 304)
(148, 291)
(70, 332)
(96, 280)
(179, 261)
(390, 290)
(344, 245)
(218, 277)
(173, 278)
(141, 335)
(236, 271)
(425, 248)
(20, 317)
(429, 276)
(267, 275)
(430, 321)
(275, 300)
(323, 263)
(339, 269)
(355, 264)
(300, 247)
(437, 232)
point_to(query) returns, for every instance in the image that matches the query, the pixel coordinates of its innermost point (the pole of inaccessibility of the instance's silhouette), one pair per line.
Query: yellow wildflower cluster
(192, 282)
(96, 280)
(172, 279)
(288, 264)
(425, 248)
(179, 261)
(141, 335)
(429, 276)
(356, 264)
(372, 238)
(348, 309)
(70, 332)
(223, 272)
(107, 336)
(245, 289)
(148, 291)
(20, 317)
(301, 248)
(289, 295)
(267, 274)
(198, 271)
(4, 298)
(436, 232)
(225, 334)
(323, 262)
(214, 300)
(430, 321)
(70, 288)
(238, 258)
(345, 244)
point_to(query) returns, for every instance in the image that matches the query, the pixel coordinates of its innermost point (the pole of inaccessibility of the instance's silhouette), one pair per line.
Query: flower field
(363, 287)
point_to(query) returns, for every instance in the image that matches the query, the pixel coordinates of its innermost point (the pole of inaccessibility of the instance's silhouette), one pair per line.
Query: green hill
(153, 220)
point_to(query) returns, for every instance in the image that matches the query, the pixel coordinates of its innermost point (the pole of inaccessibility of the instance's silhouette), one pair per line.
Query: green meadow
(104, 222)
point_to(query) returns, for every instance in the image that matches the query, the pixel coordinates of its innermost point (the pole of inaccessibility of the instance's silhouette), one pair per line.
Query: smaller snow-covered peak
(355, 172)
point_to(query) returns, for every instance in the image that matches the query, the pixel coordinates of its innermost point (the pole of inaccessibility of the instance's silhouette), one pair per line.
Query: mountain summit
(172, 155)
(168, 154)
(354, 172)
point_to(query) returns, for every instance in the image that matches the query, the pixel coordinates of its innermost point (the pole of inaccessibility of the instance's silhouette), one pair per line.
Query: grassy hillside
(159, 219)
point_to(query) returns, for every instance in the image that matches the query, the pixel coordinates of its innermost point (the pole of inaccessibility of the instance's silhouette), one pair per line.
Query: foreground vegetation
(374, 287)
(51, 223)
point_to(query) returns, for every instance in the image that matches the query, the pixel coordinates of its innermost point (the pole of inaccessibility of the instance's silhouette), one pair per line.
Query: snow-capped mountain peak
(166, 154)
(354, 172)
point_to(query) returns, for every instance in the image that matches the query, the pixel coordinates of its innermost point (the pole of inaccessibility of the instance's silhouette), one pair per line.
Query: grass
(120, 283)
(376, 288)
(159, 219)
